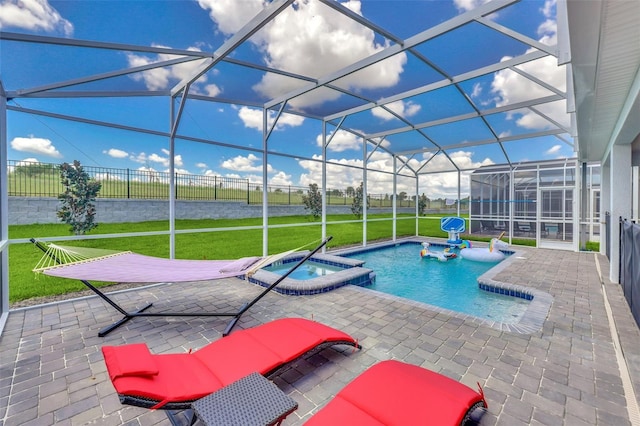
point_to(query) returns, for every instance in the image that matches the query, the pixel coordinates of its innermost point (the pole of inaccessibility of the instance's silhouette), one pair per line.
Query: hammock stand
(129, 315)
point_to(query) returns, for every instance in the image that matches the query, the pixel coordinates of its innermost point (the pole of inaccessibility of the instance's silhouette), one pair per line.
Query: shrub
(313, 200)
(358, 197)
(77, 202)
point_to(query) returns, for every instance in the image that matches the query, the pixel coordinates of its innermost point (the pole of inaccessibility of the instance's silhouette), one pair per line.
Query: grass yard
(217, 243)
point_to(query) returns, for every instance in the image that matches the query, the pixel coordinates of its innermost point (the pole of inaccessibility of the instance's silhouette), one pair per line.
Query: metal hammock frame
(129, 315)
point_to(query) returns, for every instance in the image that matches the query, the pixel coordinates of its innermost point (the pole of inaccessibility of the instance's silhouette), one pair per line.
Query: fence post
(128, 183)
(249, 194)
(215, 187)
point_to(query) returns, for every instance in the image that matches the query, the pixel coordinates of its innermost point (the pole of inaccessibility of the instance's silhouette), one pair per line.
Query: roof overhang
(605, 61)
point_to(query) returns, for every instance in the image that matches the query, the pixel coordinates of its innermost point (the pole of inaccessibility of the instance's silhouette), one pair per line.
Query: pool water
(452, 285)
(307, 271)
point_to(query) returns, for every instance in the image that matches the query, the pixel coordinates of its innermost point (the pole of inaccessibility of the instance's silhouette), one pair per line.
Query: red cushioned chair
(392, 393)
(173, 381)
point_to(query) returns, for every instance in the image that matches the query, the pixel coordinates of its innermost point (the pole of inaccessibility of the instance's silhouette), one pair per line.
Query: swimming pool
(451, 285)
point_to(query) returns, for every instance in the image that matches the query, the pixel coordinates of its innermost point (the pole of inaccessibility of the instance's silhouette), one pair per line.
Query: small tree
(77, 202)
(358, 197)
(313, 200)
(422, 204)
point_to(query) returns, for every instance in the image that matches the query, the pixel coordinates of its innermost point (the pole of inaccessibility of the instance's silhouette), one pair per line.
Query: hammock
(86, 264)
(112, 266)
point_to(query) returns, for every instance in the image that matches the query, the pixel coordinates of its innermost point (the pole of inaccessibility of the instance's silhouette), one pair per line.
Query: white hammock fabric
(111, 266)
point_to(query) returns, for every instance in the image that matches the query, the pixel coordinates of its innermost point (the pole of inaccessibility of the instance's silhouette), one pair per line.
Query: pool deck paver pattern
(566, 373)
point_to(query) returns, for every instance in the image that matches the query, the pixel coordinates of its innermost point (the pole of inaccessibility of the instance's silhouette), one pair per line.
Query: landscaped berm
(578, 369)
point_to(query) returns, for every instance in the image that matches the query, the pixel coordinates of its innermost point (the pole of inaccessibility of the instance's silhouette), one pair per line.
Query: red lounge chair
(173, 381)
(394, 393)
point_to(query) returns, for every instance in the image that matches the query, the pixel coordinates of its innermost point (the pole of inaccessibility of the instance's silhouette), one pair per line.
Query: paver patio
(567, 373)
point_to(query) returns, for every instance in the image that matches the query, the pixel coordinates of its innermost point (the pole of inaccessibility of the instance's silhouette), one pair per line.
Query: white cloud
(28, 161)
(248, 164)
(337, 177)
(231, 15)
(212, 90)
(477, 90)
(309, 39)
(510, 87)
(180, 171)
(160, 78)
(107, 176)
(36, 146)
(553, 150)
(36, 15)
(445, 185)
(342, 141)
(466, 5)
(116, 153)
(143, 158)
(404, 109)
(25, 162)
(438, 185)
(149, 174)
(252, 118)
(201, 165)
(280, 178)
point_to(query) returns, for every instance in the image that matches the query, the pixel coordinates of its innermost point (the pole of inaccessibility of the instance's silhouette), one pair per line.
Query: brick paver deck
(566, 373)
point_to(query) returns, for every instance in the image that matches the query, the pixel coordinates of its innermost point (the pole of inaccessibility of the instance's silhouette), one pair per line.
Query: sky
(307, 39)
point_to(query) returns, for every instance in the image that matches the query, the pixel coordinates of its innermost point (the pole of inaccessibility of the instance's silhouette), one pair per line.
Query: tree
(422, 203)
(350, 191)
(34, 169)
(77, 202)
(358, 197)
(313, 200)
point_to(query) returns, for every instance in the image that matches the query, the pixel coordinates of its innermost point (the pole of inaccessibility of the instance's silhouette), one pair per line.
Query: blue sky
(308, 39)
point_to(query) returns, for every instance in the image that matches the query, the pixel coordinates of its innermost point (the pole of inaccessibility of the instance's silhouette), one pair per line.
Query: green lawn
(221, 244)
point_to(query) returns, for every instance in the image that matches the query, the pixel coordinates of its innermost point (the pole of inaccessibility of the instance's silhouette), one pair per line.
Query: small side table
(250, 401)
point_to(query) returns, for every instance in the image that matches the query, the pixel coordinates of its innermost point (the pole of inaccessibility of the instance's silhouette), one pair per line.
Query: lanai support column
(620, 200)
(417, 209)
(585, 214)
(605, 203)
(324, 184)
(365, 197)
(394, 207)
(459, 183)
(175, 124)
(265, 182)
(4, 215)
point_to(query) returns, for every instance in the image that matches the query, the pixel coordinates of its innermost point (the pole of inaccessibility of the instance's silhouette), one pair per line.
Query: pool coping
(531, 321)
(355, 274)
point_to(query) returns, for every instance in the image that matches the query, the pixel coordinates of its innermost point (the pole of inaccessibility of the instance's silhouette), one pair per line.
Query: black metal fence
(630, 265)
(43, 180)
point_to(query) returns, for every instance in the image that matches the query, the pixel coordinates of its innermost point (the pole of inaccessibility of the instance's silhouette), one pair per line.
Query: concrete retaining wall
(30, 210)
